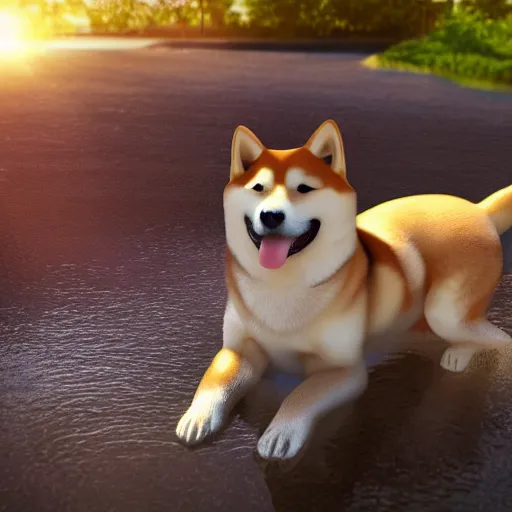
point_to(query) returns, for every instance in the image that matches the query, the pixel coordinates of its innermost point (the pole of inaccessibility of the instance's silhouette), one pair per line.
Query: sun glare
(12, 33)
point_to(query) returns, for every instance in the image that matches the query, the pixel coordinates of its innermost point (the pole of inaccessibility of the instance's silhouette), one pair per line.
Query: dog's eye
(304, 189)
(258, 187)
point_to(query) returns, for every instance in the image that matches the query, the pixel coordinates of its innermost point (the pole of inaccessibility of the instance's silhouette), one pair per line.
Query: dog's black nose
(271, 219)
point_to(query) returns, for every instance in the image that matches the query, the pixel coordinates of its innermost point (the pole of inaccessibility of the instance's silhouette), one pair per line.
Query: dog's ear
(326, 143)
(245, 150)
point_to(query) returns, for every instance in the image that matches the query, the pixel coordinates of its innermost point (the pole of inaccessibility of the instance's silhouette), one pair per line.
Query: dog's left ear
(326, 143)
(245, 150)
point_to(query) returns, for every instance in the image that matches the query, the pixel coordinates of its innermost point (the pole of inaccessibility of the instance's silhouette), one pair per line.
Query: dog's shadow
(413, 415)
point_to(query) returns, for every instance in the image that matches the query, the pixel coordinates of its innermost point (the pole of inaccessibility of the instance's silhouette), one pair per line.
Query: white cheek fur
(331, 248)
(328, 206)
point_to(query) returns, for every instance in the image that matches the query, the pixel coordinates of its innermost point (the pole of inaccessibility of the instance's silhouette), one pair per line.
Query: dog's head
(290, 211)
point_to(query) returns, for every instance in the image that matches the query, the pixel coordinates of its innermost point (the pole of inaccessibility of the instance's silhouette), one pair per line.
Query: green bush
(467, 44)
(472, 32)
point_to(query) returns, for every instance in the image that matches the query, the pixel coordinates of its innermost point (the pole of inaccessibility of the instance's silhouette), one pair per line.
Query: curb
(372, 62)
(326, 46)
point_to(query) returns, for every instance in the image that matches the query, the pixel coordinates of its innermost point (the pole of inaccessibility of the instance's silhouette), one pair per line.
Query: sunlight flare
(13, 33)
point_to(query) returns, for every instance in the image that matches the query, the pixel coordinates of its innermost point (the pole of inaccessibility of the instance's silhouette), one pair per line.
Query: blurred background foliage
(468, 43)
(397, 19)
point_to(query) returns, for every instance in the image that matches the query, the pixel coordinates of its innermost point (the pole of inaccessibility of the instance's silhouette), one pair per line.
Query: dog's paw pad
(197, 424)
(283, 442)
(456, 359)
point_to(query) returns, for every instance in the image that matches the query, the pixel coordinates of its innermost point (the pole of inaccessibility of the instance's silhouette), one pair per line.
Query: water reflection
(416, 433)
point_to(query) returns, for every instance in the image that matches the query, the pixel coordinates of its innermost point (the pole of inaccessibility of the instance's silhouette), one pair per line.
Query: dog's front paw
(198, 423)
(284, 440)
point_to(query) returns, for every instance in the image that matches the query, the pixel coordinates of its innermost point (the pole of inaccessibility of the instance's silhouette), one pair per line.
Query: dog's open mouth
(275, 249)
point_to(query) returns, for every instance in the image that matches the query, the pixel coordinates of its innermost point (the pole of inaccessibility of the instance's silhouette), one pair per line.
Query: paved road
(112, 166)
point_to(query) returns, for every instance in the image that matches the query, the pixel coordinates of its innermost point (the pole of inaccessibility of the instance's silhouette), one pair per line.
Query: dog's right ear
(326, 143)
(245, 150)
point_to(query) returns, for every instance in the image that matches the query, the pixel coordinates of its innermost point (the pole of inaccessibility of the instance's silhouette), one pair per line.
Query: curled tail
(499, 208)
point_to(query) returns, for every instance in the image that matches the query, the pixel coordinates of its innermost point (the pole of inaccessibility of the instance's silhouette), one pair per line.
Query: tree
(217, 11)
(490, 8)
(290, 17)
(326, 17)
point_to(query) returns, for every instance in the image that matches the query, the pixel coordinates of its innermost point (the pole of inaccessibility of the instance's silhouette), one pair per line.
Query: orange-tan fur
(419, 263)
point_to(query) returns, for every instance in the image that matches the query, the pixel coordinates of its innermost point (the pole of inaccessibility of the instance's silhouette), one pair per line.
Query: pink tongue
(274, 251)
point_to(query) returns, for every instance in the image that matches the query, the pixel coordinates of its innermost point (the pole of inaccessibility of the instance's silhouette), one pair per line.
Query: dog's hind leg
(454, 315)
(457, 358)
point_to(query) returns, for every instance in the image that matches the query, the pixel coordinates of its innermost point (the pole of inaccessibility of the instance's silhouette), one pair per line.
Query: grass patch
(466, 47)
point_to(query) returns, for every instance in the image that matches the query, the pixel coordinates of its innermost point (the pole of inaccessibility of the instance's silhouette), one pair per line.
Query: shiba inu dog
(311, 283)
